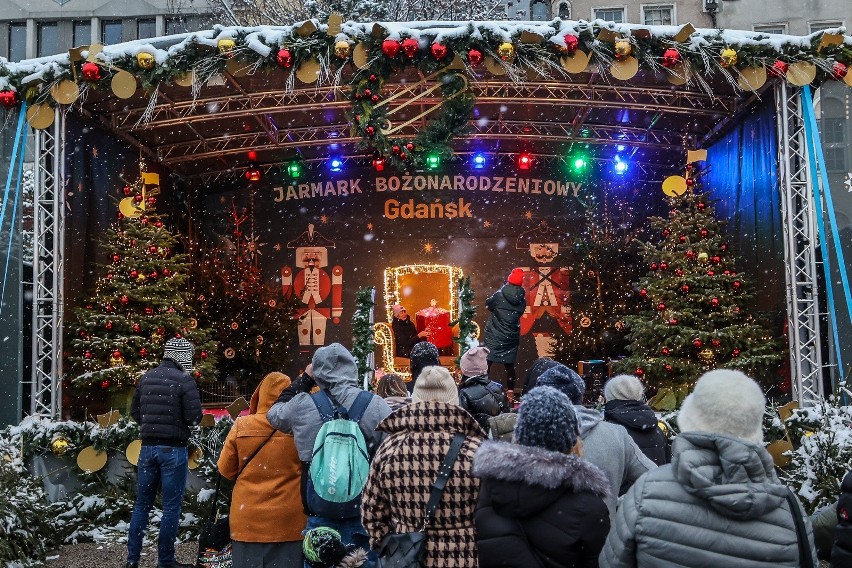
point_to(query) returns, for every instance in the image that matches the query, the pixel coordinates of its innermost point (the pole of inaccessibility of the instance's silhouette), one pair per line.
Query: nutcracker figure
(320, 292)
(547, 286)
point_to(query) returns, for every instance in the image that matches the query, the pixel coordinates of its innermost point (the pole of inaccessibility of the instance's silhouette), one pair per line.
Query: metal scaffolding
(48, 268)
(800, 246)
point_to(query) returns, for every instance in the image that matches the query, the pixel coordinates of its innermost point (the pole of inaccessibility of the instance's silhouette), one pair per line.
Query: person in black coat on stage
(841, 551)
(405, 335)
(479, 395)
(540, 503)
(503, 330)
(625, 406)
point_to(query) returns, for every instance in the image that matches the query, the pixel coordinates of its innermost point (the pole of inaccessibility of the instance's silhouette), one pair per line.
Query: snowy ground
(111, 555)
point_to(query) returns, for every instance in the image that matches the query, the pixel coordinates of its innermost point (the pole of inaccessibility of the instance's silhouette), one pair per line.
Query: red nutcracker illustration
(313, 286)
(547, 286)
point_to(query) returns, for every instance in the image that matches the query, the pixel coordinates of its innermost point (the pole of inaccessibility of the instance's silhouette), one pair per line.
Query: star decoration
(277, 246)
(428, 247)
(324, 219)
(369, 226)
(94, 152)
(486, 224)
(528, 214)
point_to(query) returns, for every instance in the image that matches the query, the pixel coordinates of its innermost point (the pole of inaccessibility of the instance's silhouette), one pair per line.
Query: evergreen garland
(362, 329)
(467, 311)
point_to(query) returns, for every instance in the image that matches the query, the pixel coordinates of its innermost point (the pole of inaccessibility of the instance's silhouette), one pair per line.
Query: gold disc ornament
(132, 451)
(186, 79)
(575, 62)
(678, 75)
(360, 55)
(194, 458)
(625, 69)
(801, 73)
(238, 68)
(40, 116)
(65, 92)
(308, 72)
(131, 209)
(91, 460)
(493, 66)
(123, 84)
(752, 78)
(673, 186)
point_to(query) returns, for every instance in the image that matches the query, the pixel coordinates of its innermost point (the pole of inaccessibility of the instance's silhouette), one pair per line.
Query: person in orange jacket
(266, 515)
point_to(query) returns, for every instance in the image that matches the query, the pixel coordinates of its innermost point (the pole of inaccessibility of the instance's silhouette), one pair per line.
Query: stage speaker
(595, 372)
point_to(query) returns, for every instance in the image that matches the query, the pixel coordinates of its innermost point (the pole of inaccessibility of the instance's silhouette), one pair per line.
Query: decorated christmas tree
(603, 270)
(139, 303)
(252, 324)
(698, 312)
(465, 323)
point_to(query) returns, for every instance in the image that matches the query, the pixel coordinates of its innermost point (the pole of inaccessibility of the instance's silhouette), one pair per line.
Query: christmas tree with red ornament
(698, 309)
(140, 302)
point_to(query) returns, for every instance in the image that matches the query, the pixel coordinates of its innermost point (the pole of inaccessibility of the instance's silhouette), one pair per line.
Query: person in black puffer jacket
(841, 551)
(502, 334)
(479, 395)
(625, 406)
(540, 503)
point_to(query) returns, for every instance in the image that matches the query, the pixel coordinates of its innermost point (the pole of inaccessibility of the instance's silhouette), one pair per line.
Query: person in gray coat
(719, 503)
(608, 446)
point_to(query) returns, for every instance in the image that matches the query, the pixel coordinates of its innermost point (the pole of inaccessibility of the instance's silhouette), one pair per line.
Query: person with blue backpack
(335, 434)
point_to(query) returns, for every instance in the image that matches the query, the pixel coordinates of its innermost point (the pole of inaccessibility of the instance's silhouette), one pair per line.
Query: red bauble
(701, 206)
(678, 272)
(87, 355)
(711, 273)
(92, 71)
(736, 284)
(682, 238)
(668, 368)
(697, 343)
(171, 310)
(439, 50)
(410, 146)
(410, 46)
(375, 98)
(654, 266)
(370, 130)
(119, 215)
(667, 232)
(703, 233)
(127, 190)
(672, 321)
(474, 57)
(715, 342)
(167, 272)
(396, 149)
(690, 167)
(779, 68)
(661, 307)
(735, 353)
(143, 352)
(134, 274)
(690, 182)
(643, 292)
(137, 328)
(109, 276)
(154, 274)
(197, 374)
(137, 198)
(204, 355)
(572, 42)
(284, 58)
(144, 220)
(105, 384)
(124, 300)
(685, 288)
(839, 70)
(714, 302)
(390, 47)
(116, 258)
(178, 336)
(690, 254)
(671, 57)
(664, 265)
(402, 156)
(149, 311)
(8, 98)
(82, 333)
(373, 78)
(151, 201)
(158, 224)
(639, 372)
(723, 247)
(716, 259)
(108, 325)
(152, 249)
(116, 354)
(665, 351)
(109, 308)
(368, 92)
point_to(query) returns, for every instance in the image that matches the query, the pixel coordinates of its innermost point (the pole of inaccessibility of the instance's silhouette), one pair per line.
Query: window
(662, 15)
(819, 26)
(609, 14)
(17, 41)
(832, 127)
(540, 10)
(48, 39)
(176, 26)
(82, 33)
(111, 32)
(146, 28)
(565, 10)
(771, 28)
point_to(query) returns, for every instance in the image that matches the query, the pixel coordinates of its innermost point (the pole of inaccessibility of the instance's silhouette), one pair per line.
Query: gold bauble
(623, 49)
(116, 361)
(226, 46)
(156, 338)
(706, 355)
(506, 51)
(728, 57)
(59, 445)
(141, 278)
(145, 60)
(703, 256)
(342, 49)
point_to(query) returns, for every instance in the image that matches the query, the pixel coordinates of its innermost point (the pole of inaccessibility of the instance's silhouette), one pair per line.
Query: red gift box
(436, 322)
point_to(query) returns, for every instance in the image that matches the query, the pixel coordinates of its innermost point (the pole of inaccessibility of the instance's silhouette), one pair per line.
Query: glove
(303, 383)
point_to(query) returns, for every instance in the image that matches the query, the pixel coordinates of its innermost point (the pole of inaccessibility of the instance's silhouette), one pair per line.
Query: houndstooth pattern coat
(401, 475)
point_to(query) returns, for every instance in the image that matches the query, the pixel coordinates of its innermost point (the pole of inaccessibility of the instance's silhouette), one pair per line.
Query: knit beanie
(516, 277)
(180, 350)
(566, 380)
(396, 309)
(546, 419)
(435, 383)
(423, 354)
(726, 402)
(474, 362)
(323, 547)
(538, 366)
(624, 387)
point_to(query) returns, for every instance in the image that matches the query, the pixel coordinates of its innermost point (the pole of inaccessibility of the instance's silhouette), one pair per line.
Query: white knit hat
(180, 350)
(727, 402)
(624, 387)
(435, 383)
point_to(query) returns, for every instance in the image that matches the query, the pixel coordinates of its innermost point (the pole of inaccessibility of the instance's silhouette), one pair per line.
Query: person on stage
(404, 333)
(503, 330)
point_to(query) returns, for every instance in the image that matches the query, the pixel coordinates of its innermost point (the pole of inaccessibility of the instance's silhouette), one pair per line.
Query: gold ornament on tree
(342, 49)
(728, 57)
(59, 445)
(706, 356)
(703, 257)
(506, 51)
(226, 46)
(145, 60)
(622, 49)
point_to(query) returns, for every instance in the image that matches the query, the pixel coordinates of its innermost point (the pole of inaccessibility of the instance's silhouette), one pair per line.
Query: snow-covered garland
(384, 49)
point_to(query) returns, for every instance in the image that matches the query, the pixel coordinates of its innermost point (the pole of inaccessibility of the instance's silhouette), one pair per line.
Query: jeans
(159, 467)
(351, 532)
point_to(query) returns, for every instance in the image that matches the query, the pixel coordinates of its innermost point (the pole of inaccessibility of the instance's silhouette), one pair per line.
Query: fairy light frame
(392, 275)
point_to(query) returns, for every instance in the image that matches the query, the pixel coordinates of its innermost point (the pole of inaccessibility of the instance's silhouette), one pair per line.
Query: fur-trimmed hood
(525, 480)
